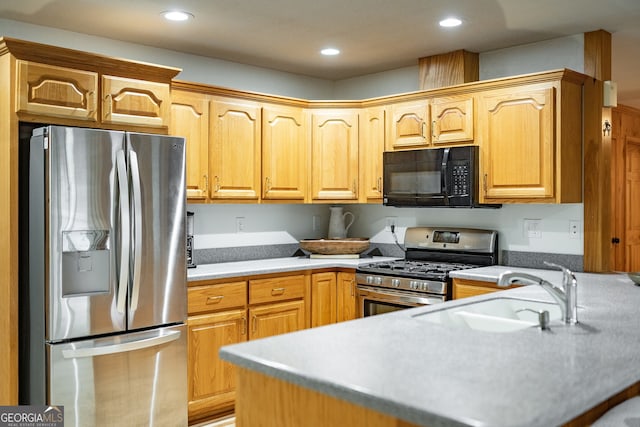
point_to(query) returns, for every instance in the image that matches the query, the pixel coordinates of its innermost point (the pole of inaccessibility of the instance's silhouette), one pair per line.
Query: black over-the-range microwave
(432, 177)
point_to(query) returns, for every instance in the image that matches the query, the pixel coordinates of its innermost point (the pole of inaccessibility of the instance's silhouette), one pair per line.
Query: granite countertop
(436, 375)
(274, 265)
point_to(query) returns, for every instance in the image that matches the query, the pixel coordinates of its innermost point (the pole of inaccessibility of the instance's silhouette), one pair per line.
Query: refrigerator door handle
(75, 353)
(137, 227)
(125, 237)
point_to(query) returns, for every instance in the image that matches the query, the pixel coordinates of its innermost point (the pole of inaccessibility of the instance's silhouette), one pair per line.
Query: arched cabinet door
(517, 145)
(48, 90)
(135, 102)
(334, 155)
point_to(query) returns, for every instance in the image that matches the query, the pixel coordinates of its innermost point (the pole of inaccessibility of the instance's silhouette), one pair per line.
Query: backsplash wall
(272, 231)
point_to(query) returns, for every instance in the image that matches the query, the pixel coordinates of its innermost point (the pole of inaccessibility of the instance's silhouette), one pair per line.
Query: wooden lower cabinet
(333, 297)
(217, 317)
(278, 318)
(211, 381)
(346, 296)
(269, 402)
(463, 288)
(236, 310)
(324, 307)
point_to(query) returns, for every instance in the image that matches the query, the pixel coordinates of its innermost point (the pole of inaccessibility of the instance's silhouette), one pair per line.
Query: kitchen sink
(494, 315)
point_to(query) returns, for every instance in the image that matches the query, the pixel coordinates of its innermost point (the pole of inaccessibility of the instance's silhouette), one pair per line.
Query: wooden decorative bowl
(349, 245)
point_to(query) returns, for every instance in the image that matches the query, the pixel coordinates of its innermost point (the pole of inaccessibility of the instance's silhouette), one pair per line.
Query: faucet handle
(564, 269)
(567, 275)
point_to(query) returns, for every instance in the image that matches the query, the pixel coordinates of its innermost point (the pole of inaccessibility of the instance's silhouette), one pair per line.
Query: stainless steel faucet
(565, 296)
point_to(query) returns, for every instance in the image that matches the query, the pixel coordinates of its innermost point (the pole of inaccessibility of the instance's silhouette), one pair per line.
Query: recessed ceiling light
(177, 15)
(330, 51)
(450, 22)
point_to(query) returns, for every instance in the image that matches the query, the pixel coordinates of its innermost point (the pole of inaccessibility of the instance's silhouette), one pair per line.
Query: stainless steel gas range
(422, 277)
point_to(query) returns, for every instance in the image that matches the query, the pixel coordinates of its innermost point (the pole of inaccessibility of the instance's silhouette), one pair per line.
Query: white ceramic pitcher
(337, 227)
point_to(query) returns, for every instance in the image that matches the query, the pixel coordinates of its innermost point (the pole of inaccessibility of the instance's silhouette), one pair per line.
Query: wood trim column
(448, 69)
(8, 235)
(597, 154)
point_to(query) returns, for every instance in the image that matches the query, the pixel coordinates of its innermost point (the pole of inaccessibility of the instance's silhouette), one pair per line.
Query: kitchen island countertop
(274, 265)
(436, 375)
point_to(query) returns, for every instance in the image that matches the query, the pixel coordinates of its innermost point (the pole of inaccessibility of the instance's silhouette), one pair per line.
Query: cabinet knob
(615, 240)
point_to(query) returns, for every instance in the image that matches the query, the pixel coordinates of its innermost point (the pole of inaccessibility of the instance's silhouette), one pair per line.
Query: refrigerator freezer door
(78, 179)
(131, 379)
(157, 290)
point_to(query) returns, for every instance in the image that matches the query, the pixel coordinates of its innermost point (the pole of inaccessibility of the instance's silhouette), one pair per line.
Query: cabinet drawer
(206, 298)
(276, 289)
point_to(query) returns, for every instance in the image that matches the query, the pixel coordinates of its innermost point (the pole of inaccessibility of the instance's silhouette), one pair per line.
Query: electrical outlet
(390, 221)
(532, 228)
(239, 224)
(574, 229)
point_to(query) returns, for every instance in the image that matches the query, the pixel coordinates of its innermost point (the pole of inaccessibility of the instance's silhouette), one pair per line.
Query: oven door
(372, 301)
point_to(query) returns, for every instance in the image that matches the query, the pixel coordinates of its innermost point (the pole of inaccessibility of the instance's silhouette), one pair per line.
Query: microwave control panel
(461, 179)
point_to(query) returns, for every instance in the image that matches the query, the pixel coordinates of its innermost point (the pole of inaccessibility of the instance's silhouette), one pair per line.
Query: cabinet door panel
(56, 91)
(335, 155)
(135, 102)
(235, 150)
(372, 144)
(347, 299)
(190, 119)
(284, 153)
(276, 319)
(452, 120)
(409, 125)
(518, 144)
(211, 380)
(323, 299)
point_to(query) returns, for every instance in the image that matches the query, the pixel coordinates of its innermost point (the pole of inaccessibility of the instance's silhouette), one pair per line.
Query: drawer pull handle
(277, 291)
(215, 300)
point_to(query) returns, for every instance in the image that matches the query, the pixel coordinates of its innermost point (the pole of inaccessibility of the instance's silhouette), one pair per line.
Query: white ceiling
(373, 35)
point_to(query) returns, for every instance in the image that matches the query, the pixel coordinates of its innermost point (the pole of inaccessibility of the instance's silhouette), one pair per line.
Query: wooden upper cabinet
(334, 157)
(56, 91)
(372, 145)
(517, 160)
(452, 120)
(135, 102)
(235, 150)
(409, 125)
(190, 119)
(284, 153)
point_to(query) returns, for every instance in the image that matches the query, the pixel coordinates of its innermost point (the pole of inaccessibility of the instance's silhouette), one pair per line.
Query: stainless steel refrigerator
(105, 334)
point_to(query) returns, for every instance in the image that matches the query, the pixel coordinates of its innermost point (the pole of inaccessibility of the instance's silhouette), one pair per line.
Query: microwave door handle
(125, 236)
(444, 181)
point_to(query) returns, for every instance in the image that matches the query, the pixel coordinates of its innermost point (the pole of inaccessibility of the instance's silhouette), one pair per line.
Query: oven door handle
(397, 297)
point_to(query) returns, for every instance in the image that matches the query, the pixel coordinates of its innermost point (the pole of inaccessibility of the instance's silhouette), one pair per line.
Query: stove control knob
(413, 284)
(395, 282)
(369, 280)
(377, 280)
